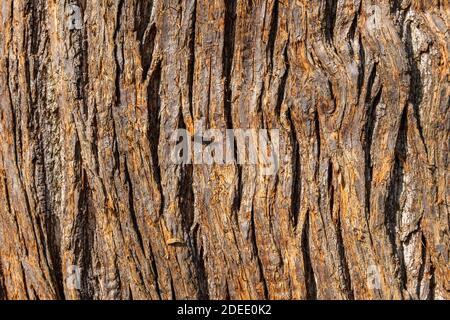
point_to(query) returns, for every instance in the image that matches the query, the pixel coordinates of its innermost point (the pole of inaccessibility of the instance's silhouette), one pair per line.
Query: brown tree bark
(359, 208)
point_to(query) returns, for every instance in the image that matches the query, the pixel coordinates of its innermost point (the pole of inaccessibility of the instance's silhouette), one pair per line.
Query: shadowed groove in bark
(200, 263)
(395, 5)
(36, 13)
(348, 290)
(146, 33)
(227, 291)
(395, 189)
(191, 63)
(227, 56)
(352, 31)
(131, 206)
(310, 281)
(273, 31)
(83, 239)
(186, 190)
(431, 295)
(79, 43)
(186, 198)
(236, 205)
(79, 123)
(416, 85)
(227, 65)
(25, 283)
(283, 83)
(119, 64)
(296, 174)
(3, 293)
(318, 140)
(361, 68)
(423, 264)
(154, 271)
(343, 260)
(83, 78)
(329, 18)
(256, 250)
(172, 290)
(153, 130)
(369, 126)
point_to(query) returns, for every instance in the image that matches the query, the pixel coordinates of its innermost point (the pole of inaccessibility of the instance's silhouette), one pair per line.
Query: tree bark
(92, 207)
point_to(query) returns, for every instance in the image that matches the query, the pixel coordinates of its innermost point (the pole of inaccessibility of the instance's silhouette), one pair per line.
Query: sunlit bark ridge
(92, 207)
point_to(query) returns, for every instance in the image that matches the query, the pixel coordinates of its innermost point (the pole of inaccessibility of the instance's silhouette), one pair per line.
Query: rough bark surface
(359, 90)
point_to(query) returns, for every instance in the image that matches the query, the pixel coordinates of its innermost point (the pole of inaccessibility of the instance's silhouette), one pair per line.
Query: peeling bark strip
(91, 207)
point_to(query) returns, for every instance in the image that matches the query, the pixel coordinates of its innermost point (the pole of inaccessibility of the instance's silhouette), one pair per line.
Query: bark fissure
(93, 205)
(227, 57)
(310, 279)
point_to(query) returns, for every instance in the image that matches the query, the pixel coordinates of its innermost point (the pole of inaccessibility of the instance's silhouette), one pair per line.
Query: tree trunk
(93, 207)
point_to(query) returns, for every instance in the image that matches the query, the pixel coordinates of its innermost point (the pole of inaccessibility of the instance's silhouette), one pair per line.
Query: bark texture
(359, 90)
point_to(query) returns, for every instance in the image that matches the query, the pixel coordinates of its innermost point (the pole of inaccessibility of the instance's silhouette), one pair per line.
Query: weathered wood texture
(358, 88)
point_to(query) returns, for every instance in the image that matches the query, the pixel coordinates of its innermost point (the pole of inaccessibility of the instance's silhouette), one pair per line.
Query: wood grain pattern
(359, 90)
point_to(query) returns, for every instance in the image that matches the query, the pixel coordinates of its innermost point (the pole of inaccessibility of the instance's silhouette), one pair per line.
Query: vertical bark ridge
(91, 93)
